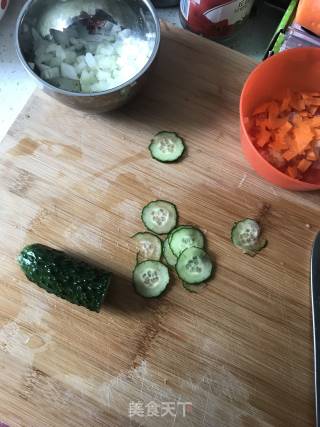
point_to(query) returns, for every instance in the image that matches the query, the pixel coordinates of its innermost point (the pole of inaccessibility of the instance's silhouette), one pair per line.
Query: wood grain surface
(241, 351)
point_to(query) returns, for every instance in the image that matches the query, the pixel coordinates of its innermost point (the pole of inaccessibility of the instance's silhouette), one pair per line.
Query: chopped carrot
(312, 101)
(280, 143)
(297, 102)
(295, 118)
(285, 102)
(263, 137)
(287, 132)
(304, 165)
(311, 155)
(285, 105)
(285, 128)
(314, 122)
(316, 147)
(290, 154)
(276, 122)
(310, 94)
(260, 122)
(292, 171)
(274, 110)
(281, 140)
(261, 108)
(303, 136)
(312, 109)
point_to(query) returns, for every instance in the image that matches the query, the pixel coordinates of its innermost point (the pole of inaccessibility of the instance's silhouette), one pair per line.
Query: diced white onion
(89, 58)
(68, 71)
(78, 61)
(50, 73)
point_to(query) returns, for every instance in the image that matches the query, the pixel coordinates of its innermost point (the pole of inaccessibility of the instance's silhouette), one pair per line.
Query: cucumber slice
(246, 235)
(195, 288)
(166, 147)
(150, 278)
(159, 216)
(194, 266)
(169, 256)
(149, 246)
(176, 229)
(184, 238)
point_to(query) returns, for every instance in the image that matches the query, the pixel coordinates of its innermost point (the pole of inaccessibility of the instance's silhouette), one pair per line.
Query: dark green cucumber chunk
(62, 275)
(167, 147)
(246, 235)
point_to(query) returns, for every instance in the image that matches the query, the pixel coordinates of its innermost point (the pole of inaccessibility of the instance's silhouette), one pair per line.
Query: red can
(214, 18)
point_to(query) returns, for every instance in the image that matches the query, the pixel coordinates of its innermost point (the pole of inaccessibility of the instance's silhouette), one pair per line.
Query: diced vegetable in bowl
(287, 133)
(94, 56)
(78, 61)
(286, 76)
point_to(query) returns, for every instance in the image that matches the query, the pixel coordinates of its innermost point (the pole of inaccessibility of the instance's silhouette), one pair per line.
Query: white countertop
(16, 86)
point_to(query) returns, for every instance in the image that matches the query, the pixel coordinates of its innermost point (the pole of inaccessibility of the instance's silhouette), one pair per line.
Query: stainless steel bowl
(136, 15)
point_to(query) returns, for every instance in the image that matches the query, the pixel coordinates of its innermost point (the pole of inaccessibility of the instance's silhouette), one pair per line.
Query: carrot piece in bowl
(292, 171)
(311, 155)
(304, 165)
(288, 130)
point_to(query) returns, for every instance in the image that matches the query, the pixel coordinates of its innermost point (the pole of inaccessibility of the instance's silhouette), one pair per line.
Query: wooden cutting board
(237, 354)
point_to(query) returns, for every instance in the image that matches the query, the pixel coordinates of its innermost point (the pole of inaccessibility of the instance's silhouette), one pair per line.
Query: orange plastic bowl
(296, 69)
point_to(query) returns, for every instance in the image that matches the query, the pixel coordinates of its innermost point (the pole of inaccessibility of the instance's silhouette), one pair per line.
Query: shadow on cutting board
(187, 87)
(122, 297)
(148, 315)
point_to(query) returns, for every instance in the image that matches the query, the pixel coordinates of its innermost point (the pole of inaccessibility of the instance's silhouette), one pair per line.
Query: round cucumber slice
(149, 246)
(169, 256)
(159, 216)
(150, 278)
(194, 266)
(166, 147)
(245, 235)
(184, 238)
(176, 229)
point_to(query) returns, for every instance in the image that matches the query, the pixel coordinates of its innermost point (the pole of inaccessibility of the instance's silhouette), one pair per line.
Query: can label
(233, 11)
(214, 18)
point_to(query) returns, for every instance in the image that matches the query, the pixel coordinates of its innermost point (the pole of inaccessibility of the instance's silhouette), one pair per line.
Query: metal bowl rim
(89, 94)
